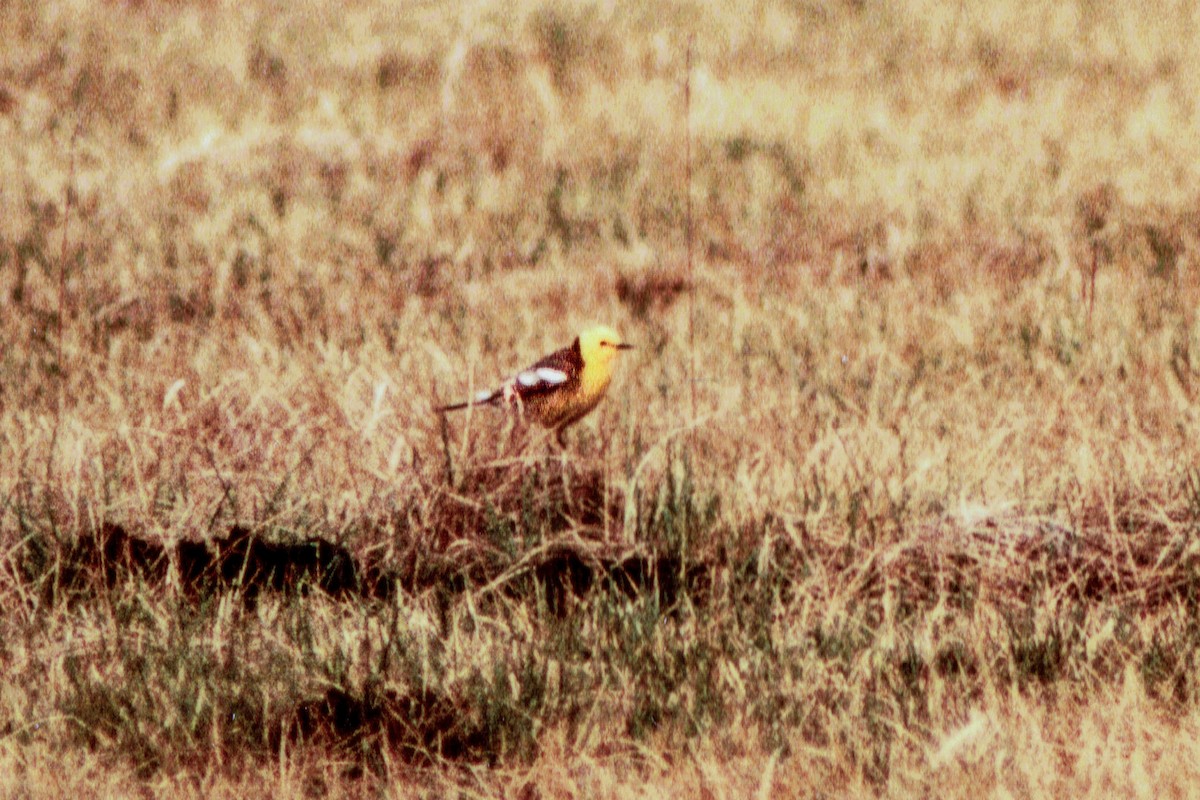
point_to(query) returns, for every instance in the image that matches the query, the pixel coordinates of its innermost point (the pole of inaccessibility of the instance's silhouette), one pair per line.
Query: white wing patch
(484, 396)
(551, 376)
(532, 380)
(546, 376)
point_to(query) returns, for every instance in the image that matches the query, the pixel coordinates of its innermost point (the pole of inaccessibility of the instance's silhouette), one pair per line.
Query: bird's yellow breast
(594, 380)
(572, 403)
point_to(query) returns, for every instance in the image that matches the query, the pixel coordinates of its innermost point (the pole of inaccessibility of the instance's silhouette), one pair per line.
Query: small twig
(212, 459)
(68, 195)
(1091, 292)
(277, 495)
(62, 260)
(687, 124)
(862, 481)
(445, 427)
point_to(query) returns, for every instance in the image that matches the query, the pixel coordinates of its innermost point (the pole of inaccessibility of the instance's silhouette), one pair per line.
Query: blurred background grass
(941, 486)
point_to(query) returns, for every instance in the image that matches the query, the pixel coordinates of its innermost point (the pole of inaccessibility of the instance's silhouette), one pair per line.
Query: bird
(562, 388)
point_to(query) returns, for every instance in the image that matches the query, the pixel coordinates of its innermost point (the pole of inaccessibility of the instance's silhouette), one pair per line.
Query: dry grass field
(911, 510)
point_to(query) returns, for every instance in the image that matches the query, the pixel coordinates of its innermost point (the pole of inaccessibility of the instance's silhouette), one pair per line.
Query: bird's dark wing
(561, 369)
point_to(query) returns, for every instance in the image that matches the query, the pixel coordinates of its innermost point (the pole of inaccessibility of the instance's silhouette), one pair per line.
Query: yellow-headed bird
(563, 387)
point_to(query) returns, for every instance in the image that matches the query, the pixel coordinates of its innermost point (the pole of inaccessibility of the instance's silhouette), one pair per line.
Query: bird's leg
(564, 467)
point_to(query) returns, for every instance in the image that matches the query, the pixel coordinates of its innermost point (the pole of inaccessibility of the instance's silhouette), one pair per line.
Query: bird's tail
(484, 398)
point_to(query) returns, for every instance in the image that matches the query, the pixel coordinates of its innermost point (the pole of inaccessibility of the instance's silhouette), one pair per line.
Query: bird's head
(600, 344)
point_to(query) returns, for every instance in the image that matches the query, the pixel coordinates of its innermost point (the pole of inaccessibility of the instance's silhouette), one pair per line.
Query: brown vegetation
(930, 533)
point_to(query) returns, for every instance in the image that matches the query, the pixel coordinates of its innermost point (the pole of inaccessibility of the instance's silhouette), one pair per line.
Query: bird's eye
(604, 343)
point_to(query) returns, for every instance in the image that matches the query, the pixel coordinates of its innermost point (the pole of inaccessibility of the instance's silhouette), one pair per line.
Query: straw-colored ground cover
(912, 511)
